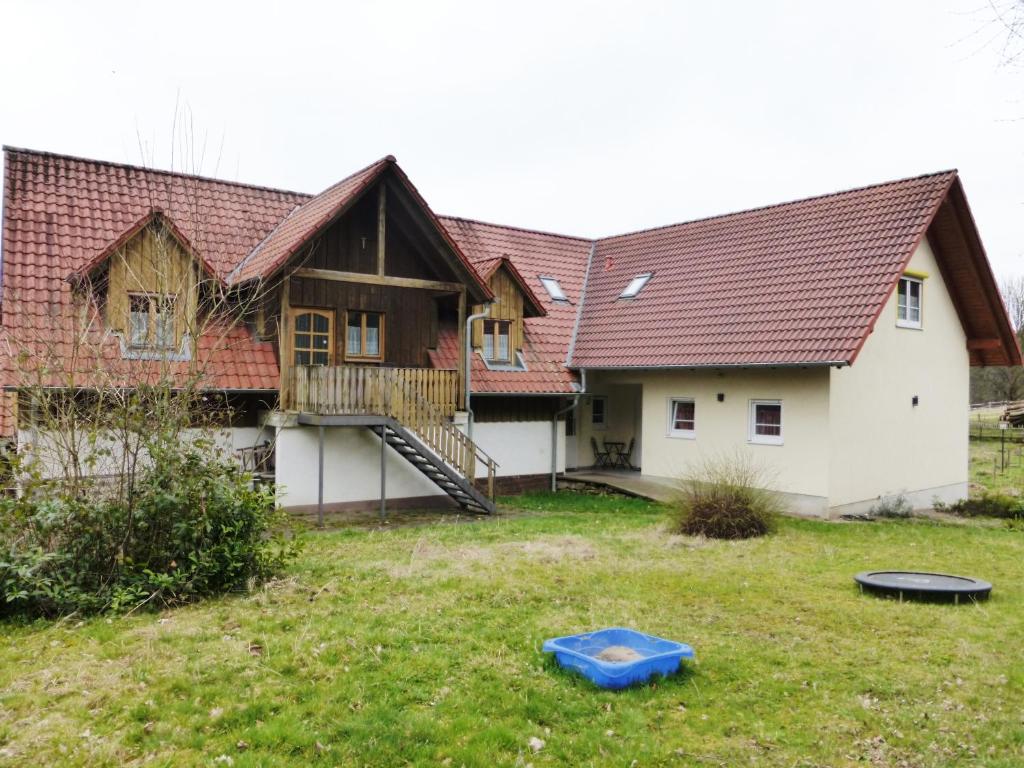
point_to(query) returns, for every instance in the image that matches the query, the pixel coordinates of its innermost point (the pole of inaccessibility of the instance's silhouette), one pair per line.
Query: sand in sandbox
(618, 653)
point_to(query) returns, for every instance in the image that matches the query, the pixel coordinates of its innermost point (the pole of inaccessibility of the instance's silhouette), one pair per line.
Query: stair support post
(320, 478)
(383, 472)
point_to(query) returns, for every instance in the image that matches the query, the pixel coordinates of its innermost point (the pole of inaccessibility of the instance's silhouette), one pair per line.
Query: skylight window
(635, 286)
(554, 289)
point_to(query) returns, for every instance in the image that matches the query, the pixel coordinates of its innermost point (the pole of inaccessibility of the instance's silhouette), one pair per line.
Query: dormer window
(554, 289)
(636, 285)
(151, 321)
(496, 341)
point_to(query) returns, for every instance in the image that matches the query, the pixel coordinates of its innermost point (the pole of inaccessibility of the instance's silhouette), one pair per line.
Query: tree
(1003, 383)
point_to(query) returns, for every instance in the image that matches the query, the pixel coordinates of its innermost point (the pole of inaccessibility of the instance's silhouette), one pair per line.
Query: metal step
(460, 489)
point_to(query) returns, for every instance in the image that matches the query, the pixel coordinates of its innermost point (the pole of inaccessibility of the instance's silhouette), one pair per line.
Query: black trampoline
(923, 586)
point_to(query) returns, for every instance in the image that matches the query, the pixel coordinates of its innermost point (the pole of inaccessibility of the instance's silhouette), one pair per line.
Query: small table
(617, 449)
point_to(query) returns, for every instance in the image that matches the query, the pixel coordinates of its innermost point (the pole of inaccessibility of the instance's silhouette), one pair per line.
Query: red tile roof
(61, 213)
(796, 283)
(304, 221)
(542, 375)
(533, 254)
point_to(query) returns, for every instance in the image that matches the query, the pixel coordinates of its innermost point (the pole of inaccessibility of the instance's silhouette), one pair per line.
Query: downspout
(554, 428)
(469, 361)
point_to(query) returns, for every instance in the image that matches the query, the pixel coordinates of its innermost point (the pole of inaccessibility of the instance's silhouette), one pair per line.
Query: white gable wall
(882, 445)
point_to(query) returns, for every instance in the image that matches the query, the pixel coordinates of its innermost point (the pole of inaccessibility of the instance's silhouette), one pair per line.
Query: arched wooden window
(313, 339)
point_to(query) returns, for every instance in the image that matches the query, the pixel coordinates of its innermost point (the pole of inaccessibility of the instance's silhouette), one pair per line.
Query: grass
(987, 470)
(420, 645)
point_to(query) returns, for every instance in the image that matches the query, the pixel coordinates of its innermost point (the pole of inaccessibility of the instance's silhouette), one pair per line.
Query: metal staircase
(411, 410)
(460, 488)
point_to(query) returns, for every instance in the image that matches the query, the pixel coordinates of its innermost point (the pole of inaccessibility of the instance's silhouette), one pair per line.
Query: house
(830, 338)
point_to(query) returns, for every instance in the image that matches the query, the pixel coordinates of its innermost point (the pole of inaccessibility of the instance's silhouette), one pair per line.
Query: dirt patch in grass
(432, 555)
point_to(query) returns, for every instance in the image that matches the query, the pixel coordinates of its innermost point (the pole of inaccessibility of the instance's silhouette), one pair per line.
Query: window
(313, 339)
(908, 302)
(598, 415)
(681, 417)
(151, 321)
(554, 289)
(364, 336)
(163, 321)
(635, 286)
(496, 340)
(766, 421)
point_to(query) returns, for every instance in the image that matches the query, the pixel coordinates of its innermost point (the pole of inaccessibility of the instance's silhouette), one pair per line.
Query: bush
(726, 498)
(891, 506)
(987, 505)
(192, 526)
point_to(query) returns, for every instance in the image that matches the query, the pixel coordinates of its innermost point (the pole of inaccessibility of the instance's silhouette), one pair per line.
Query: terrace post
(320, 479)
(383, 471)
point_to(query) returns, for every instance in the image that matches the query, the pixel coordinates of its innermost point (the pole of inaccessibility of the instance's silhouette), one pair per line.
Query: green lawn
(420, 645)
(1000, 470)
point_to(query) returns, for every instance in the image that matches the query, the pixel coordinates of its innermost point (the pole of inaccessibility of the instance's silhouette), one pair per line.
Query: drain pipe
(469, 361)
(554, 428)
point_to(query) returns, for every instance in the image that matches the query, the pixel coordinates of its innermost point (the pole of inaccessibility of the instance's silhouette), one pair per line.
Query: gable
(799, 283)
(295, 237)
(152, 263)
(350, 243)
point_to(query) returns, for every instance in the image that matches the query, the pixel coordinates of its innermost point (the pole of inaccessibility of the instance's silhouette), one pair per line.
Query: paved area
(633, 483)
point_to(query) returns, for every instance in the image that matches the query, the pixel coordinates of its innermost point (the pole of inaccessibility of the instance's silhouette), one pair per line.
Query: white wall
(351, 467)
(107, 451)
(881, 444)
(519, 447)
(352, 461)
(798, 466)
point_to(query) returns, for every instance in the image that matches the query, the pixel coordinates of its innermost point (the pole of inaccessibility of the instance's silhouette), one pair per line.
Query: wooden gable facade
(513, 302)
(150, 286)
(369, 290)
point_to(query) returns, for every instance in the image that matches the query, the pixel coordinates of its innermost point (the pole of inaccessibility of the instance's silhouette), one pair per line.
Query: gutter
(713, 366)
(468, 352)
(554, 428)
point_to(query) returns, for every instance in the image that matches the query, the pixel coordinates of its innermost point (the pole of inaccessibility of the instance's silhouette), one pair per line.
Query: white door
(571, 462)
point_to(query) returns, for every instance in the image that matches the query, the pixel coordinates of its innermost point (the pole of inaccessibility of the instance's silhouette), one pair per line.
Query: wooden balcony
(421, 400)
(358, 390)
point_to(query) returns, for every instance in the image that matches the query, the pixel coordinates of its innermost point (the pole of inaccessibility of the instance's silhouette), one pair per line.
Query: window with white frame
(766, 422)
(554, 289)
(908, 302)
(681, 417)
(635, 286)
(598, 412)
(496, 347)
(151, 321)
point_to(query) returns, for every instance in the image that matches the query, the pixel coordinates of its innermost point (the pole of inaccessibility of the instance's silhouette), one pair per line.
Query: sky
(585, 118)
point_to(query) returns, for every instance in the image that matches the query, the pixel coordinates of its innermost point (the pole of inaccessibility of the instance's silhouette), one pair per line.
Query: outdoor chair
(624, 459)
(259, 462)
(601, 458)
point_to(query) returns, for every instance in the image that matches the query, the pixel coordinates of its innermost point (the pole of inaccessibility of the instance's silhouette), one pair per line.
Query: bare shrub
(726, 497)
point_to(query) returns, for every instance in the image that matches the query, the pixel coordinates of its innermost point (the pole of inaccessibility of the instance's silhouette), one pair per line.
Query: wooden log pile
(1014, 413)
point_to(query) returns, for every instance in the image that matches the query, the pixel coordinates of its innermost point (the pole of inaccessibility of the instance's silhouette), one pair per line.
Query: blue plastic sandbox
(660, 656)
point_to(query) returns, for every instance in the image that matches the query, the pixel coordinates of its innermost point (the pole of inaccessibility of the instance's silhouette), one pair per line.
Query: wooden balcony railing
(353, 389)
(423, 400)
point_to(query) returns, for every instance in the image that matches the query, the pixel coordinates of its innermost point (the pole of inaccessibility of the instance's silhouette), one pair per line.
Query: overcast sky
(584, 118)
